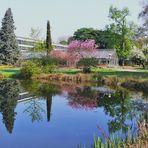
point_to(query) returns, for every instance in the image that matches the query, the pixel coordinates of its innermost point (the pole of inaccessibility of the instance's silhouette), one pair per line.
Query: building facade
(26, 44)
(106, 57)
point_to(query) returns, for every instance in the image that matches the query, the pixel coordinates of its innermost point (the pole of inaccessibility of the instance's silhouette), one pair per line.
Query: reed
(130, 142)
(65, 77)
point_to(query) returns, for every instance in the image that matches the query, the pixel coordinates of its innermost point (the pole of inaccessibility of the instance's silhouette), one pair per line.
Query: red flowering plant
(61, 56)
(79, 50)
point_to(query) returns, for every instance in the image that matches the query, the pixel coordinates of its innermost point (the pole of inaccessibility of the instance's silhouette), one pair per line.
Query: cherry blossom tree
(62, 55)
(81, 49)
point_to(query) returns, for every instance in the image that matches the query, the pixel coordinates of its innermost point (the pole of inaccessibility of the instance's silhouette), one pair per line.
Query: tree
(9, 52)
(48, 39)
(139, 58)
(81, 49)
(103, 38)
(144, 16)
(35, 33)
(63, 40)
(85, 34)
(61, 56)
(39, 46)
(124, 29)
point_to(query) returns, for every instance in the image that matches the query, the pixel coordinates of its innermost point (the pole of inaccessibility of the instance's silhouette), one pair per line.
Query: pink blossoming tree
(80, 50)
(81, 47)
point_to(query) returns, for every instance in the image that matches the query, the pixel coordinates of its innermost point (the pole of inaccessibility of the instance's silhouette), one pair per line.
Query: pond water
(43, 115)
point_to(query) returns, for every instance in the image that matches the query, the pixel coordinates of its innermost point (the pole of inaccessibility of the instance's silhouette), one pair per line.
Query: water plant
(114, 141)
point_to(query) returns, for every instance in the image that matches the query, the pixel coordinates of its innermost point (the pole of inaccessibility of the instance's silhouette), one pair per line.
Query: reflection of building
(25, 96)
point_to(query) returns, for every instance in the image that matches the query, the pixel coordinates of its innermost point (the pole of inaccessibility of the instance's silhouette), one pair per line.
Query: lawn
(141, 74)
(135, 74)
(9, 72)
(111, 72)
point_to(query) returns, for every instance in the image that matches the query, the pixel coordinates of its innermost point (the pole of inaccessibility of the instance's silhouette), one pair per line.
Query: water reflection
(42, 91)
(34, 110)
(9, 94)
(119, 108)
(116, 104)
(83, 98)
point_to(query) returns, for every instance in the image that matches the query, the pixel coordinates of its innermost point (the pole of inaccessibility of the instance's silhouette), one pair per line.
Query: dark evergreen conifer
(9, 52)
(48, 39)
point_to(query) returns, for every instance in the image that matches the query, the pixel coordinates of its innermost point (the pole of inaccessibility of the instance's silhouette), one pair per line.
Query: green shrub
(86, 70)
(49, 61)
(30, 69)
(87, 63)
(49, 68)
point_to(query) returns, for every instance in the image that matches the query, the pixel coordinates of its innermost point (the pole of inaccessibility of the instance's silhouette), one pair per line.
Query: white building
(26, 44)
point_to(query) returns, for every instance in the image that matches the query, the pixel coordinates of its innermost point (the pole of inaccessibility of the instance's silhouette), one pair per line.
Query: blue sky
(65, 16)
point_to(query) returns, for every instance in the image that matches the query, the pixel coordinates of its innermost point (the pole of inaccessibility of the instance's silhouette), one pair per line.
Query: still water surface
(45, 115)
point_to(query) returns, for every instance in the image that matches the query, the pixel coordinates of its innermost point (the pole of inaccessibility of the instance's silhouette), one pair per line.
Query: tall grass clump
(65, 77)
(114, 141)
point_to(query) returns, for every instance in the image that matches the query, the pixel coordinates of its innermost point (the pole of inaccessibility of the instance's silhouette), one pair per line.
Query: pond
(43, 115)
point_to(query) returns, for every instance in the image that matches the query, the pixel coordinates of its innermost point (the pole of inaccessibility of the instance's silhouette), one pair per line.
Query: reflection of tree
(83, 97)
(9, 93)
(49, 103)
(47, 91)
(42, 90)
(118, 107)
(31, 86)
(34, 110)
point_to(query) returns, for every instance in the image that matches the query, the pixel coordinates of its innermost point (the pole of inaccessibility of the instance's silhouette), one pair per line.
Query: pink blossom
(77, 46)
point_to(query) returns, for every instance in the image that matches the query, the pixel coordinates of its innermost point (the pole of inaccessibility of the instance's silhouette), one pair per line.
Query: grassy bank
(114, 81)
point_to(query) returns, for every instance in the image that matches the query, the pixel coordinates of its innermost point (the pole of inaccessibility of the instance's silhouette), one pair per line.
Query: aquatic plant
(130, 142)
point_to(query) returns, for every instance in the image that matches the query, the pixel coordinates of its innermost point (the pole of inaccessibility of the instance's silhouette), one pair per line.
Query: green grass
(69, 71)
(111, 72)
(136, 74)
(9, 72)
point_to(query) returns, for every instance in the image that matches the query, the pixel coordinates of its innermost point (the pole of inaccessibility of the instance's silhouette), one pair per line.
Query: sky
(66, 16)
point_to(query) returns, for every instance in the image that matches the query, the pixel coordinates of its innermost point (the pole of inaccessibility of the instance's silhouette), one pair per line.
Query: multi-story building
(26, 44)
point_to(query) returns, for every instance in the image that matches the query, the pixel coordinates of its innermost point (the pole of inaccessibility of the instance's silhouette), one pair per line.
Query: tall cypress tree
(9, 52)
(48, 39)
